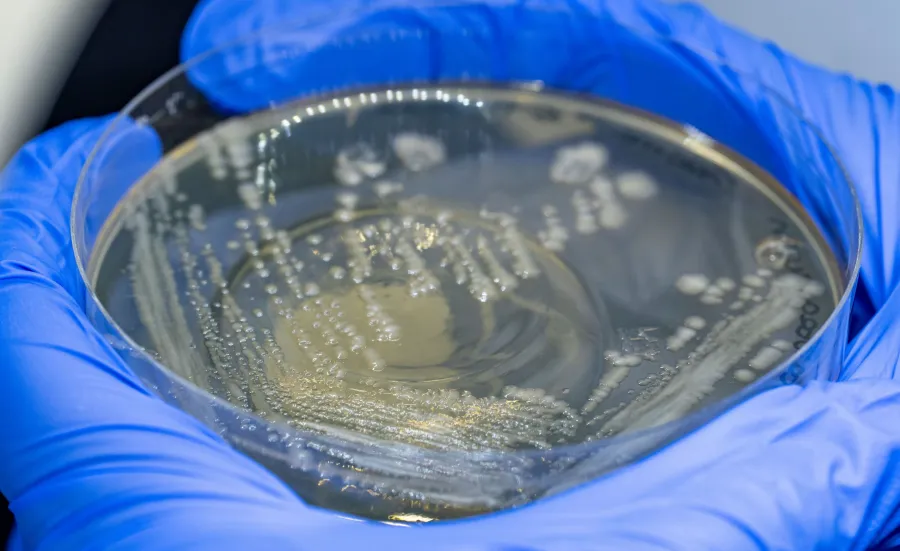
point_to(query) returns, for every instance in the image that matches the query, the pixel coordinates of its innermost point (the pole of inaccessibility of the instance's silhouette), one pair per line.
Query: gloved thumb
(91, 458)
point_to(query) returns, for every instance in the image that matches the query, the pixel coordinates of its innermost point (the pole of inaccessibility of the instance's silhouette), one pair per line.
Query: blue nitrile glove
(93, 461)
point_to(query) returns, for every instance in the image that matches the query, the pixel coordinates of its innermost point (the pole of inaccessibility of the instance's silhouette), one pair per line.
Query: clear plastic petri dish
(416, 298)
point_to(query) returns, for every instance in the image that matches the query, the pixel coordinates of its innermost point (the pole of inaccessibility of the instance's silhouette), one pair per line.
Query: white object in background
(40, 40)
(855, 36)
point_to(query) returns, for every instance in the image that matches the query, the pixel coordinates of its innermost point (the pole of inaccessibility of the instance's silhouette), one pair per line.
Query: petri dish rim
(618, 113)
(690, 421)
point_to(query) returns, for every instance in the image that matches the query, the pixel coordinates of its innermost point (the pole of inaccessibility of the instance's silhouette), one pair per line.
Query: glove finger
(89, 453)
(876, 348)
(34, 228)
(37, 188)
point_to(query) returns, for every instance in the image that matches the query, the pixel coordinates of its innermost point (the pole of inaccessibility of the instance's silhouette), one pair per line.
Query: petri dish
(418, 299)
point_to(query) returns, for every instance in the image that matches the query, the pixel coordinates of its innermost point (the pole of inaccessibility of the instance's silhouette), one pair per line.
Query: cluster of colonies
(246, 354)
(774, 301)
(597, 201)
(446, 418)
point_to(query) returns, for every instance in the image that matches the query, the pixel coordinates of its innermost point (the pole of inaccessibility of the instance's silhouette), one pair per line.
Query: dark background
(134, 42)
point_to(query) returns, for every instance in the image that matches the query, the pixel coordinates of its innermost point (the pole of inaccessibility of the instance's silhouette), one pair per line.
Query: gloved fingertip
(48, 148)
(202, 31)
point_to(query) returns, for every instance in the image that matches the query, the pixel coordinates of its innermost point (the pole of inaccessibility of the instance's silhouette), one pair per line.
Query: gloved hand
(94, 461)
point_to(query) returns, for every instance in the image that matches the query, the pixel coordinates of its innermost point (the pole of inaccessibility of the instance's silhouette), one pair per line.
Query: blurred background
(64, 59)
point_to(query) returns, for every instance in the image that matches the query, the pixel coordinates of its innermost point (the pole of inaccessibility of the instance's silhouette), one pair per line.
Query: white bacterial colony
(636, 185)
(577, 164)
